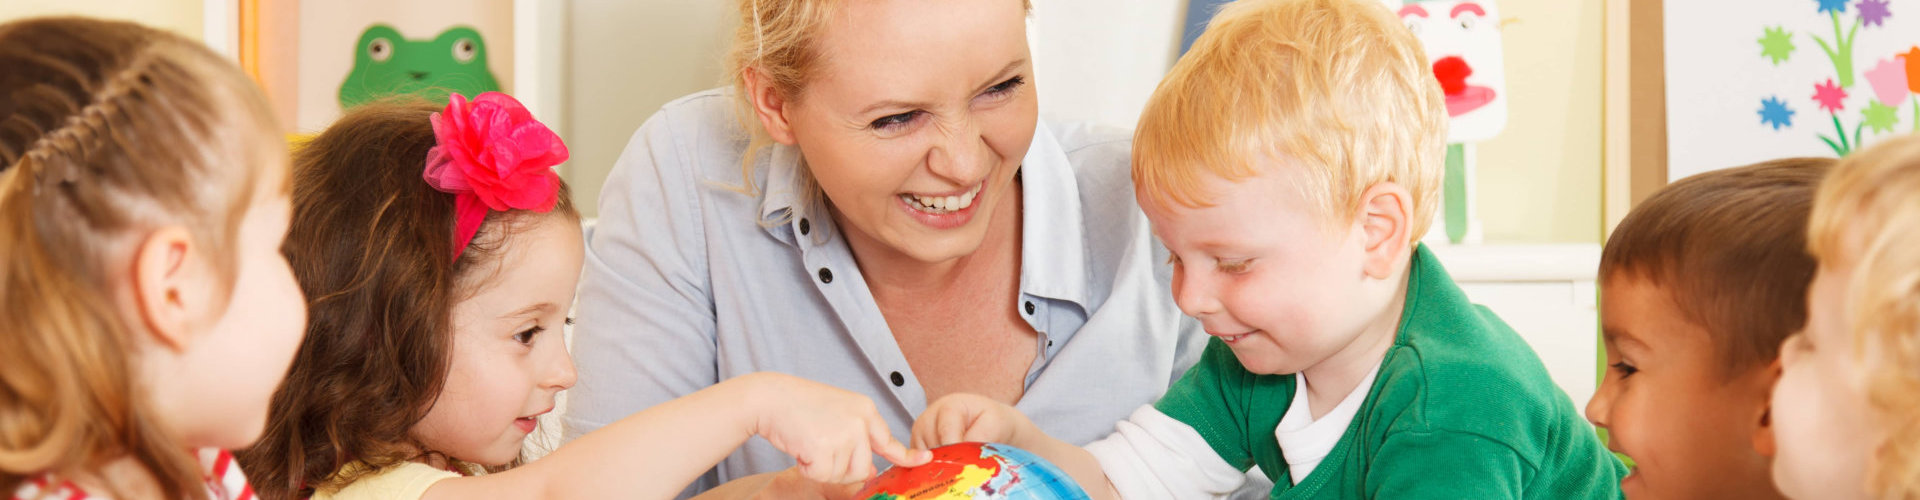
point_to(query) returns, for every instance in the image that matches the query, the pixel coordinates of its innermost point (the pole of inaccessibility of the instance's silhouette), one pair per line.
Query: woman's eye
(1006, 86)
(891, 122)
(1625, 369)
(526, 336)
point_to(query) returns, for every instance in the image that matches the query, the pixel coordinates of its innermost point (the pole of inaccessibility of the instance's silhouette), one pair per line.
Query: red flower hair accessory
(492, 155)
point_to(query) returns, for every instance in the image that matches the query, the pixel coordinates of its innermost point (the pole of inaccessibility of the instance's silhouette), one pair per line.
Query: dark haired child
(440, 253)
(1700, 284)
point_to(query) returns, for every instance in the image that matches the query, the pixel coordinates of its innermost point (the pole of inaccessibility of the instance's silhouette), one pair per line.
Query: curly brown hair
(372, 246)
(108, 131)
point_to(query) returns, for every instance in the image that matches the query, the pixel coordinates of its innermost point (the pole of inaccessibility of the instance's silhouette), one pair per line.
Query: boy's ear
(1386, 209)
(164, 279)
(769, 105)
(1763, 426)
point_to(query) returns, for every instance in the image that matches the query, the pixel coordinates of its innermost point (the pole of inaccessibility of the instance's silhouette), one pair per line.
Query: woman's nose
(962, 156)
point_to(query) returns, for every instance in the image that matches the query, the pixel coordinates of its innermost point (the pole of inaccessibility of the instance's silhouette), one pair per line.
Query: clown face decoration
(1462, 38)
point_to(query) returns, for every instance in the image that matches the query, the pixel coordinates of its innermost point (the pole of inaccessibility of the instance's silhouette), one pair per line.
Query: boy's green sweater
(1461, 408)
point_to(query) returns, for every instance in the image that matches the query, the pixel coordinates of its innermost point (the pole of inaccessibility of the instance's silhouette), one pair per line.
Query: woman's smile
(942, 210)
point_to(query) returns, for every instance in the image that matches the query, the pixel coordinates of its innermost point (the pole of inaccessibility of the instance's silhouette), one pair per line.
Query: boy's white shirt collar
(1304, 440)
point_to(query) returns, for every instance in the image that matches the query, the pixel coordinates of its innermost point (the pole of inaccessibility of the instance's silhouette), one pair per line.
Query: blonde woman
(874, 204)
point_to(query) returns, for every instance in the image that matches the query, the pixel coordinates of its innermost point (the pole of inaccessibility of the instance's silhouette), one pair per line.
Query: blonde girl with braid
(146, 314)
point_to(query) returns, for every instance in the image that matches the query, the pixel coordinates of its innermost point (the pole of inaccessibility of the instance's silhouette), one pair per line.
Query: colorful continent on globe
(975, 471)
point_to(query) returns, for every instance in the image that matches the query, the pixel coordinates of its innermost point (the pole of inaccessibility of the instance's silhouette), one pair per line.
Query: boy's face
(1667, 403)
(1826, 435)
(1262, 271)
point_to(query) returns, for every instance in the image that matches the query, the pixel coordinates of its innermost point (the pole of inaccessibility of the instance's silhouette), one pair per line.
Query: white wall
(178, 16)
(626, 58)
(1099, 60)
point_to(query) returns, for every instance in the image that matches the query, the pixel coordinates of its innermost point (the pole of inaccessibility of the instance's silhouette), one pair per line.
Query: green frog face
(385, 64)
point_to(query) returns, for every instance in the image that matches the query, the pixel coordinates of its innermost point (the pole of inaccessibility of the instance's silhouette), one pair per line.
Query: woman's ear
(1763, 441)
(1386, 209)
(769, 105)
(167, 284)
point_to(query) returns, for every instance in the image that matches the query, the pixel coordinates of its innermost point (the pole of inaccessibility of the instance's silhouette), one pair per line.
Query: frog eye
(380, 49)
(464, 49)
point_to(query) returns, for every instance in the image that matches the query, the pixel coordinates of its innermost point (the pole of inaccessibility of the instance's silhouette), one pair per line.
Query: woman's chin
(939, 247)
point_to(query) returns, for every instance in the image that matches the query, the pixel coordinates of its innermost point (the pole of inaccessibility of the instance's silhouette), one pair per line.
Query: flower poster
(1765, 79)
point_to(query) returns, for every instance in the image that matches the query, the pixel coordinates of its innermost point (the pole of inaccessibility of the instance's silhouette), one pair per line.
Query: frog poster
(354, 51)
(1752, 81)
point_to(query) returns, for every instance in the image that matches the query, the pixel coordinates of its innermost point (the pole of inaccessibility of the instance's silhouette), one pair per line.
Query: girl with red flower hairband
(439, 253)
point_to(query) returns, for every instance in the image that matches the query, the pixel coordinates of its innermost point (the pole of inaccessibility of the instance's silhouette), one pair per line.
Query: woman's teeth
(942, 204)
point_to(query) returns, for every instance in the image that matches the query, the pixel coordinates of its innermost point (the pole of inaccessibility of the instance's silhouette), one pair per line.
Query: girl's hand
(967, 417)
(831, 432)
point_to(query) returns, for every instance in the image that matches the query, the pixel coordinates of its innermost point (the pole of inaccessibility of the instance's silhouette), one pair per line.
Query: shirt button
(826, 276)
(1029, 307)
(898, 379)
(805, 227)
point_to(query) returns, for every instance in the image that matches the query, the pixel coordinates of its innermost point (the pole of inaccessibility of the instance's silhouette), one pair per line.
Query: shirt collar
(1053, 251)
(1053, 260)
(781, 189)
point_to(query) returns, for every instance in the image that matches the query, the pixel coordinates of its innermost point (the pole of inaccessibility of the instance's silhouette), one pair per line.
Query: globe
(975, 471)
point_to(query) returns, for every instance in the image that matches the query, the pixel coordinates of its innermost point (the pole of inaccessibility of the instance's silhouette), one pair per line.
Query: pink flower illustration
(1889, 80)
(1830, 96)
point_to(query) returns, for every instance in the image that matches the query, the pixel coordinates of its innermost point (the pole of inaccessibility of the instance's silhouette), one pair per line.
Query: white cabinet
(1547, 294)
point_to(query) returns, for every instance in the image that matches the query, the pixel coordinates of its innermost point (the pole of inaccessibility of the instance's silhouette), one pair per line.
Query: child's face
(1689, 427)
(248, 346)
(1265, 274)
(1820, 406)
(509, 358)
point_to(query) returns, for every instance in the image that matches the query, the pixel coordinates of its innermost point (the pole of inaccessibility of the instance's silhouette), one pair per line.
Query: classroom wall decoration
(1766, 79)
(351, 51)
(1463, 43)
(386, 63)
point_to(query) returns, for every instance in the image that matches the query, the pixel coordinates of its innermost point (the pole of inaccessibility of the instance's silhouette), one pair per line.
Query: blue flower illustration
(1774, 112)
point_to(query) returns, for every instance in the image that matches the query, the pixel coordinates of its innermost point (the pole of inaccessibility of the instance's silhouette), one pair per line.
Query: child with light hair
(1291, 162)
(1847, 408)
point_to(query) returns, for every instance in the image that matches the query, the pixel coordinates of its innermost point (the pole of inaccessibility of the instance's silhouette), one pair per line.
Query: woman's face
(915, 120)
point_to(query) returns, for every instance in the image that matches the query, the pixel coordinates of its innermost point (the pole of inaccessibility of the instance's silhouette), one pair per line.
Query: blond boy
(1290, 162)
(1699, 285)
(1847, 407)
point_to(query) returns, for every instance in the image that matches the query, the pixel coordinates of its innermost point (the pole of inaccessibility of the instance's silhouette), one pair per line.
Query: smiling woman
(875, 204)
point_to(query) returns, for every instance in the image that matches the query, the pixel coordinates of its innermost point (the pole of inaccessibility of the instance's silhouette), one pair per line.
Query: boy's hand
(831, 432)
(966, 417)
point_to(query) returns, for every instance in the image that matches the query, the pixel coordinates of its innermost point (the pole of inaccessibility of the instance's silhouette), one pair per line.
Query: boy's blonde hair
(1339, 87)
(1868, 213)
(108, 130)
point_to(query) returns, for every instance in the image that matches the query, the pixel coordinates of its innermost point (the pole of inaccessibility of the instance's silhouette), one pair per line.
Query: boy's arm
(1447, 464)
(1151, 455)
(656, 452)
